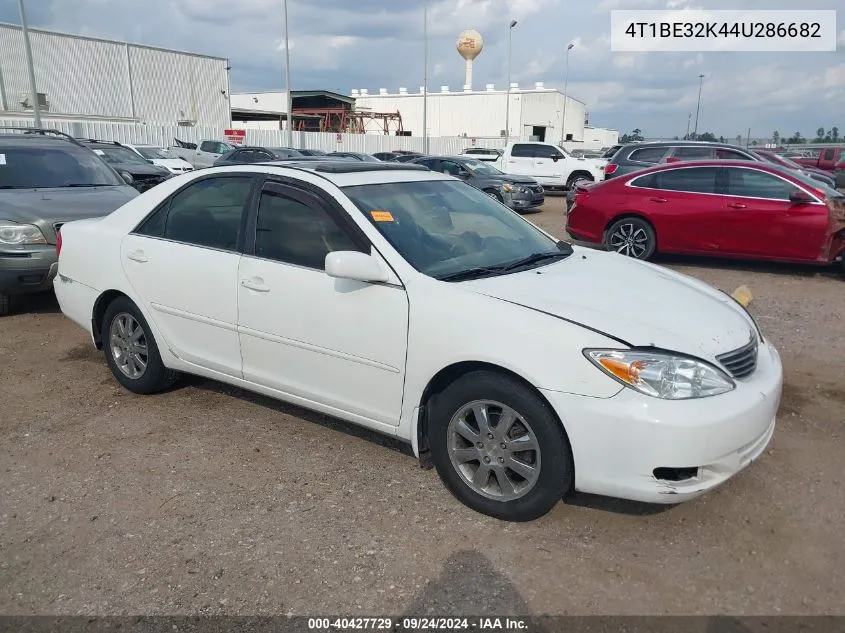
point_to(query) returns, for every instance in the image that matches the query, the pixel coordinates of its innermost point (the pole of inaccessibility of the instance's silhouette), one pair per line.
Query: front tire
(574, 179)
(632, 237)
(131, 351)
(498, 447)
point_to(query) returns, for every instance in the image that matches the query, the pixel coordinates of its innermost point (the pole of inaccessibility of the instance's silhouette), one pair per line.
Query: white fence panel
(164, 135)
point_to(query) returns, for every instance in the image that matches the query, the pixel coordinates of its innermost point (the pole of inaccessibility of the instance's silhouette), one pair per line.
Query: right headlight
(17, 234)
(661, 374)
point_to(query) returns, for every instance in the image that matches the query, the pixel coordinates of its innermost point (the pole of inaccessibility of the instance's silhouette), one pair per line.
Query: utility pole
(689, 121)
(288, 97)
(565, 97)
(698, 107)
(425, 77)
(508, 93)
(36, 110)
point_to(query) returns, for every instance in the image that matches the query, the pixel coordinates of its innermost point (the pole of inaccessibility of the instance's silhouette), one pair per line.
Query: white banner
(699, 30)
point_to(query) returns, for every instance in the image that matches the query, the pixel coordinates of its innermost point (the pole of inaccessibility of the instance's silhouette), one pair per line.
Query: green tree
(706, 136)
(739, 139)
(819, 136)
(721, 139)
(834, 134)
(635, 135)
(776, 137)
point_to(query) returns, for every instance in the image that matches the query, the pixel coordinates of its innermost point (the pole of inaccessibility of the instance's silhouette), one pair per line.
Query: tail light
(59, 243)
(610, 168)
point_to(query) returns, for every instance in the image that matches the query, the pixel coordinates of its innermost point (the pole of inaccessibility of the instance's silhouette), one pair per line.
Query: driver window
(547, 151)
(448, 167)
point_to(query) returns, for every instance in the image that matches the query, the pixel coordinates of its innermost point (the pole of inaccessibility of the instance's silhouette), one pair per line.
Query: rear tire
(131, 351)
(576, 178)
(632, 237)
(498, 447)
(5, 304)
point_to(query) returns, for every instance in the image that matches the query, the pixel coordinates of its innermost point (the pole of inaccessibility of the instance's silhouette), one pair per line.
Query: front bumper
(521, 201)
(618, 443)
(28, 269)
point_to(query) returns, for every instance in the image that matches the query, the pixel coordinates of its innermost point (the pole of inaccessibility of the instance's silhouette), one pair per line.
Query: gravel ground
(210, 500)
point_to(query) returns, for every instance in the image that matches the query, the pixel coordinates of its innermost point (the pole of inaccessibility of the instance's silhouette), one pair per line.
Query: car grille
(741, 362)
(535, 188)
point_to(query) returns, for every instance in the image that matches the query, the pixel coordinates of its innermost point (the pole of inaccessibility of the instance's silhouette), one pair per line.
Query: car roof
(748, 164)
(341, 173)
(29, 140)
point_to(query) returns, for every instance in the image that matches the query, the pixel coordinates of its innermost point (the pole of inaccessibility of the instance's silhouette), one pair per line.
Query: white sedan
(410, 303)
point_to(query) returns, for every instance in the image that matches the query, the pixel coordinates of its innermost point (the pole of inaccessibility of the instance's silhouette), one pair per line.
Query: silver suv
(46, 179)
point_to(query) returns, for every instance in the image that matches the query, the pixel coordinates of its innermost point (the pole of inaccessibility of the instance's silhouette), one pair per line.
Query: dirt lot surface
(210, 500)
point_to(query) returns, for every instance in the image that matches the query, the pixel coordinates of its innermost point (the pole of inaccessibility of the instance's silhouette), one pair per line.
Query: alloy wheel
(128, 344)
(494, 450)
(629, 239)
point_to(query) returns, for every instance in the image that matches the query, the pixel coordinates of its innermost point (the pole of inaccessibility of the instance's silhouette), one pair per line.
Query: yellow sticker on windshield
(382, 216)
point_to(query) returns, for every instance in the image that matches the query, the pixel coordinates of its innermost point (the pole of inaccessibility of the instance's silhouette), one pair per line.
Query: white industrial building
(85, 79)
(535, 113)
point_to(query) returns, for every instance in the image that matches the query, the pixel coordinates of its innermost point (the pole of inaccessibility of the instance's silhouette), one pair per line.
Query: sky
(339, 45)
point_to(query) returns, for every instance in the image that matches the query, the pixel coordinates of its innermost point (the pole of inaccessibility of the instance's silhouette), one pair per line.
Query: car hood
(62, 205)
(637, 303)
(141, 169)
(171, 162)
(514, 180)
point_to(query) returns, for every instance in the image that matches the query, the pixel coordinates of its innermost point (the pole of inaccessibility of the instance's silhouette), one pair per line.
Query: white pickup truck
(550, 165)
(200, 155)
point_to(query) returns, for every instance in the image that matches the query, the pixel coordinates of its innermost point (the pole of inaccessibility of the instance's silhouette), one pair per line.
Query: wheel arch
(580, 172)
(630, 214)
(100, 306)
(449, 375)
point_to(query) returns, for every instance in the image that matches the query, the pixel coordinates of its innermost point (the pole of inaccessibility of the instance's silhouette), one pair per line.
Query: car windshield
(120, 155)
(448, 230)
(152, 153)
(42, 167)
(481, 168)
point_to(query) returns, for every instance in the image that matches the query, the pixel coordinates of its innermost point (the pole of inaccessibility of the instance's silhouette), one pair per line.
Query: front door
(183, 264)
(335, 342)
(763, 222)
(549, 165)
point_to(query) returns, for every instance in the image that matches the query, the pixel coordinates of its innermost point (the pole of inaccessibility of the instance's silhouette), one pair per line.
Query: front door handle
(737, 205)
(137, 256)
(255, 284)
(658, 200)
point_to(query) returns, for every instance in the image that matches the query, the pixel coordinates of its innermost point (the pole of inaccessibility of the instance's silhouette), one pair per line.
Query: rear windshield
(120, 155)
(46, 167)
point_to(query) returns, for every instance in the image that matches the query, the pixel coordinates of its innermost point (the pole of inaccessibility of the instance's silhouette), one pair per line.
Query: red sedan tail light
(610, 168)
(59, 243)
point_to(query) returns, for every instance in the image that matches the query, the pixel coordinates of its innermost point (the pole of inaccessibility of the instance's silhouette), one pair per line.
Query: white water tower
(469, 46)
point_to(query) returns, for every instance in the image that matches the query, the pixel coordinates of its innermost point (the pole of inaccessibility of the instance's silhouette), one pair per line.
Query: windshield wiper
(535, 258)
(472, 273)
(12, 187)
(88, 184)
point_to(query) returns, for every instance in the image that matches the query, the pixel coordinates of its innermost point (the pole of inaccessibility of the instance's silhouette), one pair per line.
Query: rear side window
(690, 179)
(209, 146)
(693, 153)
(828, 153)
(293, 231)
(207, 213)
(523, 150)
(650, 155)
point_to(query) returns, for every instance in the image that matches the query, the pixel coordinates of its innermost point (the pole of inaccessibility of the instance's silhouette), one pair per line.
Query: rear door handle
(255, 284)
(658, 199)
(137, 256)
(737, 205)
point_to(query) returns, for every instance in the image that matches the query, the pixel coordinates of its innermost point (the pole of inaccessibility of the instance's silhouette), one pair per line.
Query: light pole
(425, 77)
(508, 94)
(698, 106)
(36, 110)
(565, 98)
(288, 96)
(689, 121)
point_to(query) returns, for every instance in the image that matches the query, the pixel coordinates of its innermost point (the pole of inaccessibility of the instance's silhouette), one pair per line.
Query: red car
(722, 208)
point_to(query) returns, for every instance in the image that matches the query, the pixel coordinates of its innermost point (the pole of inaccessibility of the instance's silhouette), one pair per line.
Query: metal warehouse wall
(85, 77)
(481, 114)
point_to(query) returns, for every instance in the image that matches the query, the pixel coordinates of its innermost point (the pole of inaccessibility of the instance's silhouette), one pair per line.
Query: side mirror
(356, 266)
(800, 196)
(556, 157)
(463, 173)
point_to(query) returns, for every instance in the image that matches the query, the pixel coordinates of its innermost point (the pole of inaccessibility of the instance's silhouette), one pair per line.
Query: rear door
(182, 262)
(520, 161)
(682, 204)
(762, 222)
